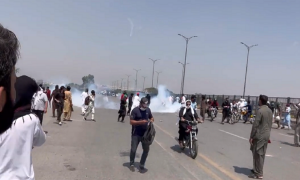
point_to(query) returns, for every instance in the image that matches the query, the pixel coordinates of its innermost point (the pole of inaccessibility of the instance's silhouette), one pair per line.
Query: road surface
(80, 150)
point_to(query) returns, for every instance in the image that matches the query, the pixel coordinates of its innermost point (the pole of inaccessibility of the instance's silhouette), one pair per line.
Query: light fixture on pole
(153, 68)
(181, 76)
(248, 48)
(157, 78)
(136, 70)
(186, 46)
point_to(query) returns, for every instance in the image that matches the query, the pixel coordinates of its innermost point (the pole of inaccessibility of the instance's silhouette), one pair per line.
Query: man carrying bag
(143, 131)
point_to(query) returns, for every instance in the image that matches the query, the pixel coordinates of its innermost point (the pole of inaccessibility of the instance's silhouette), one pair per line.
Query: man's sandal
(253, 176)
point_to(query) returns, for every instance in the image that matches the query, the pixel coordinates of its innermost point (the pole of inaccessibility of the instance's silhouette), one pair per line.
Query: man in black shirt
(226, 109)
(139, 119)
(59, 103)
(129, 103)
(186, 114)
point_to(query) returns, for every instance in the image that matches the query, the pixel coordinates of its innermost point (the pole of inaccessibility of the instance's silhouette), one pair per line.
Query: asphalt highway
(99, 150)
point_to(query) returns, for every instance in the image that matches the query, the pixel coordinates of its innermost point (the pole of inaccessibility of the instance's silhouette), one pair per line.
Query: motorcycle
(190, 140)
(213, 113)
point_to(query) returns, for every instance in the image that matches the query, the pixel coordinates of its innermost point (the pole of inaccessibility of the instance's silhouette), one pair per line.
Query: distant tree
(151, 90)
(87, 80)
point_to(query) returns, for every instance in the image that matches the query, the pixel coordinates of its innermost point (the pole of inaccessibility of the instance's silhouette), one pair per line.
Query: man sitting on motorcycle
(186, 114)
(226, 110)
(249, 111)
(215, 105)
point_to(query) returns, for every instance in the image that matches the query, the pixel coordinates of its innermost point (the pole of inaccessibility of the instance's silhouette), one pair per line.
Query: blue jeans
(287, 120)
(135, 140)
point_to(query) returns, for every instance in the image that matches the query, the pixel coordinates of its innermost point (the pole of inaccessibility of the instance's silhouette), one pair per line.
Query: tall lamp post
(121, 83)
(186, 46)
(153, 68)
(136, 70)
(181, 76)
(248, 48)
(144, 83)
(127, 81)
(157, 78)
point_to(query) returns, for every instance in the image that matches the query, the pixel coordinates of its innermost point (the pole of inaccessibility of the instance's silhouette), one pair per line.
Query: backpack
(149, 135)
(87, 101)
(272, 106)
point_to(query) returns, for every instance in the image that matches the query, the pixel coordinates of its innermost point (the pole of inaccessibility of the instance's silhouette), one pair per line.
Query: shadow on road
(240, 170)
(292, 134)
(286, 143)
(136, 166)
(127, 153)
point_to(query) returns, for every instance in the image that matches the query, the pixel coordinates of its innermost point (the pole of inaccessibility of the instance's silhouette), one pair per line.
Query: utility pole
(153, 68)
(136, 70)
(181, 76)
(127, 81)
(157, 78)
(121, 83)
(144, 83)
(186, 47)
(248, 48)
(117, 85)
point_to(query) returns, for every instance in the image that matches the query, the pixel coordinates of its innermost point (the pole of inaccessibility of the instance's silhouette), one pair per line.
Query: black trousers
(60, 108)
(40, 115)
(129, 108)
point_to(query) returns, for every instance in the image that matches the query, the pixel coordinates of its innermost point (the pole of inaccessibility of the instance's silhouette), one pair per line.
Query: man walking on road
(139, 119)
(83, 96)
(40, 104)
(260, 136)
(297, 128)
(54, 92)
(203, 108)
(129, 104)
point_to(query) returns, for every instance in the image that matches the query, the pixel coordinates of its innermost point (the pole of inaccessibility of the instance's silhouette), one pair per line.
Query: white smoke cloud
(131, 26)
(159, 103)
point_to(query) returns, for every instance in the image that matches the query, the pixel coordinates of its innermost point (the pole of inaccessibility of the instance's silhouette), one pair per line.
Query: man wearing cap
(139, 119)
(136, 101)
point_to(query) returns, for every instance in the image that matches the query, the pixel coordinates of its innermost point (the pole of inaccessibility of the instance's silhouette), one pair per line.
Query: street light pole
(121, 83)
(136, 70)
(127, 81)
(153, 68)
(181, 76)
(248, 49)
(186, 46)
(157, 78)
(144, 83)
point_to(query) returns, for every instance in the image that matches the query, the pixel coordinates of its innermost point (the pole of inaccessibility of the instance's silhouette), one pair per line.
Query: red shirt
(48, 93)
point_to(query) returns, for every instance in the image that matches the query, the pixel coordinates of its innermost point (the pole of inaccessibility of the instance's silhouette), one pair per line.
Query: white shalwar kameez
(90, 108)
(136, 102)
(83, 106)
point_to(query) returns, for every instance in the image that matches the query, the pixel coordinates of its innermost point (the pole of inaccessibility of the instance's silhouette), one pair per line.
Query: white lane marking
(285, 135)
(269, 155)
(187, 169)
(233, 134)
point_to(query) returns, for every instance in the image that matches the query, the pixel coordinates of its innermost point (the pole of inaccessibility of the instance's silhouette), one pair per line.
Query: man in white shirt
(40, 104)
(83, 96)
(136, 101)
(26, 132)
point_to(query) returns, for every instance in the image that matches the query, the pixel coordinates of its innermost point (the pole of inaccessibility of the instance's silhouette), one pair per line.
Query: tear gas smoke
(159, 103)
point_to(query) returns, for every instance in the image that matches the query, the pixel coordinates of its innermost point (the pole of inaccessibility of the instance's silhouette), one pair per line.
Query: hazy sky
(63, 40)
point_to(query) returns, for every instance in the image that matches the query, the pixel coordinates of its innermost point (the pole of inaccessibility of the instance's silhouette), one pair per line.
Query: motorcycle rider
(226, 110)
(215, 105)
(186, 114)
(249, 111)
